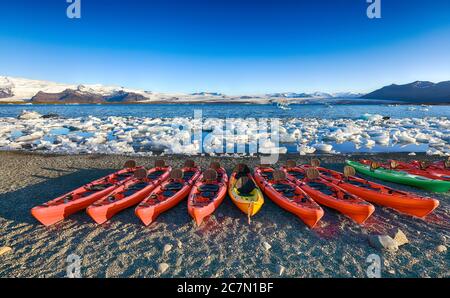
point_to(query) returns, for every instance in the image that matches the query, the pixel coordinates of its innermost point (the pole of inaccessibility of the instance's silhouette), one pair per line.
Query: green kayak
(401, 177)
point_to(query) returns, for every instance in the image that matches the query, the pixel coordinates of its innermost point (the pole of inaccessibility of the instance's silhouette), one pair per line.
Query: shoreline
(324, 102)
(225, 246)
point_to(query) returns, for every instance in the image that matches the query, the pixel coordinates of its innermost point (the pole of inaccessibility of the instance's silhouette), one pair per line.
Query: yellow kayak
(249, 203)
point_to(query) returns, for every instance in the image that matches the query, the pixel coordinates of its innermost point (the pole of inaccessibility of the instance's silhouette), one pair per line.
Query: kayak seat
(347, 197)
(208, 194)
(244, 185)
(187, 175)
(297, 174)
(267, 175)
(138, 186)
(155, 175)
(98, 187)
(68, 198)
(208, 188)
(135, 188)
(168, 193)
(174, 186)
(87, 193)
(322, 188)
(282, 187)
(289, 194)
(125, 175)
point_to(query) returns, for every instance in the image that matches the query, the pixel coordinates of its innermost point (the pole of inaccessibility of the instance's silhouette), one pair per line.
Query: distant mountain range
(36, 91)
(416, 92)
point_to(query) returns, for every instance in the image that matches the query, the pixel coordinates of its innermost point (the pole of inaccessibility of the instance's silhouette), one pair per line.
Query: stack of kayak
(154, 191)
(299, 189)
(77, 200)
(379, 194)
(328, 194)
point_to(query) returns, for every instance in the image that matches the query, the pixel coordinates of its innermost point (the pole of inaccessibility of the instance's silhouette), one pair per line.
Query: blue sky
(230, 46)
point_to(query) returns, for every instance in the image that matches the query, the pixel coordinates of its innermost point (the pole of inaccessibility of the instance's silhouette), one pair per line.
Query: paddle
(129, 164)
(374, 165)
(159, 163)
(447, 163)
(349, 172)
(312, 173)
(393, 164)
(315, 162)
(189, 163)
(290, 164)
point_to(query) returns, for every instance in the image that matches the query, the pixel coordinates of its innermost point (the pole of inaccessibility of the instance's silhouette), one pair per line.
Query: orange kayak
(130, 193)
(328, 194)
(287, 195)
(57, 209)
(207, 193)
(168, 194)
(402, 201)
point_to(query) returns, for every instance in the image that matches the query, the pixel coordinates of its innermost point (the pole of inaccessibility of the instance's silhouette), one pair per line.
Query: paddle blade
(315, 162)
(374, 165)
(159, 163)
(210, 175)
(129, 164)
(349, 171)
(424, 165)
(279, 175)
(140, 174)
(176, 174)
(214, 165)
(189, 163)
(393, 164)
(291, 164)
(447, 163)
(312, 173)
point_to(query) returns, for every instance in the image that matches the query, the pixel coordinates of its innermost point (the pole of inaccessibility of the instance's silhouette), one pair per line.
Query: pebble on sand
(267, 246)
(399, 237)
(441, 248)
(280, 269)
(163, 267)
(168, 247)
(383, 242)
(5, 249)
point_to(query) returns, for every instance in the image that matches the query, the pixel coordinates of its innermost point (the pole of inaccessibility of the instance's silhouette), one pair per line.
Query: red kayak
(130, 193)
(394, 165)
(442, 165)
(169, 193)
(288, 195)
(437, 170)
(327, 193)
(401, 201)
(208, 193)
(57, 209)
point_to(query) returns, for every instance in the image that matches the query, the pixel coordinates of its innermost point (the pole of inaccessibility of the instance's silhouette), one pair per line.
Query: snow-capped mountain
(416, 92)
(20, 89)
(14, 89)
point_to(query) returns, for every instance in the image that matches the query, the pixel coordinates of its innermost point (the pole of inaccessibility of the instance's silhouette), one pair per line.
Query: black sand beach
(225, 246)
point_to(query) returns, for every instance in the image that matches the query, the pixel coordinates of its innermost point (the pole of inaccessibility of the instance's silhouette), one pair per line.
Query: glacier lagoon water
(353, 111)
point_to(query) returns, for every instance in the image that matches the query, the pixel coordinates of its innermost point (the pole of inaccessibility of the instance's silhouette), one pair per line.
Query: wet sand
(224, 246)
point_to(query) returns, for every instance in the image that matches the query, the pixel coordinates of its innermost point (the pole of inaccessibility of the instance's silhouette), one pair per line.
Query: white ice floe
(25, 115)
(142, 135)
